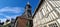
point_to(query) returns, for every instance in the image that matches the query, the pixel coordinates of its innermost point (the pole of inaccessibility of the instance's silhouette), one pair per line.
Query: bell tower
(26, 19)
(28, 10)
(28, 14)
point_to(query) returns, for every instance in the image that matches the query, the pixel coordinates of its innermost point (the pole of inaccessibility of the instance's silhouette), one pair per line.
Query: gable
(47, 12)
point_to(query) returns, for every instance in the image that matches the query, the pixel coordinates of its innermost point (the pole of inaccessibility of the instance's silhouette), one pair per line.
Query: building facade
(12, 22)
(47, 14)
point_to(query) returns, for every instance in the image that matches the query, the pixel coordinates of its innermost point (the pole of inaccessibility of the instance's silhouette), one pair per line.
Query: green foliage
(7, 25)
(28, 24)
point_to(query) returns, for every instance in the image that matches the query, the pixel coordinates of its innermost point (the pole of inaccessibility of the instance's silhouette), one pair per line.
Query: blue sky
(12, 8)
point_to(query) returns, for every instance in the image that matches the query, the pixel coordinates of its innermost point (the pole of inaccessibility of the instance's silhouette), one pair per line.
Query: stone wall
(21, 22)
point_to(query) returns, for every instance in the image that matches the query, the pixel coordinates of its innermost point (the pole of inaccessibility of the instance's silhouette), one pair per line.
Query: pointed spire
(28, 3)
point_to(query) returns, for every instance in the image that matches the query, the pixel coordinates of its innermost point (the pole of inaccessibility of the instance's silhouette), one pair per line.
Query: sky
(13, 8)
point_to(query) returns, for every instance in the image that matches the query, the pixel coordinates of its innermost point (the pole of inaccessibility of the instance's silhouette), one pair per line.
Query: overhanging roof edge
(37, 8)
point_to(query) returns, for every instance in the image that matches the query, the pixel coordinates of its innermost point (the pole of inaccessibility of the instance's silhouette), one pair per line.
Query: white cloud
(8, 17)
(11, 9)
(5, 16)
(2, 20)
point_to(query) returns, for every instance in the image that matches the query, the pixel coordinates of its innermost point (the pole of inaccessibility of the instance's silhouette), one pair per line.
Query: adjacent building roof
(37, 8)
